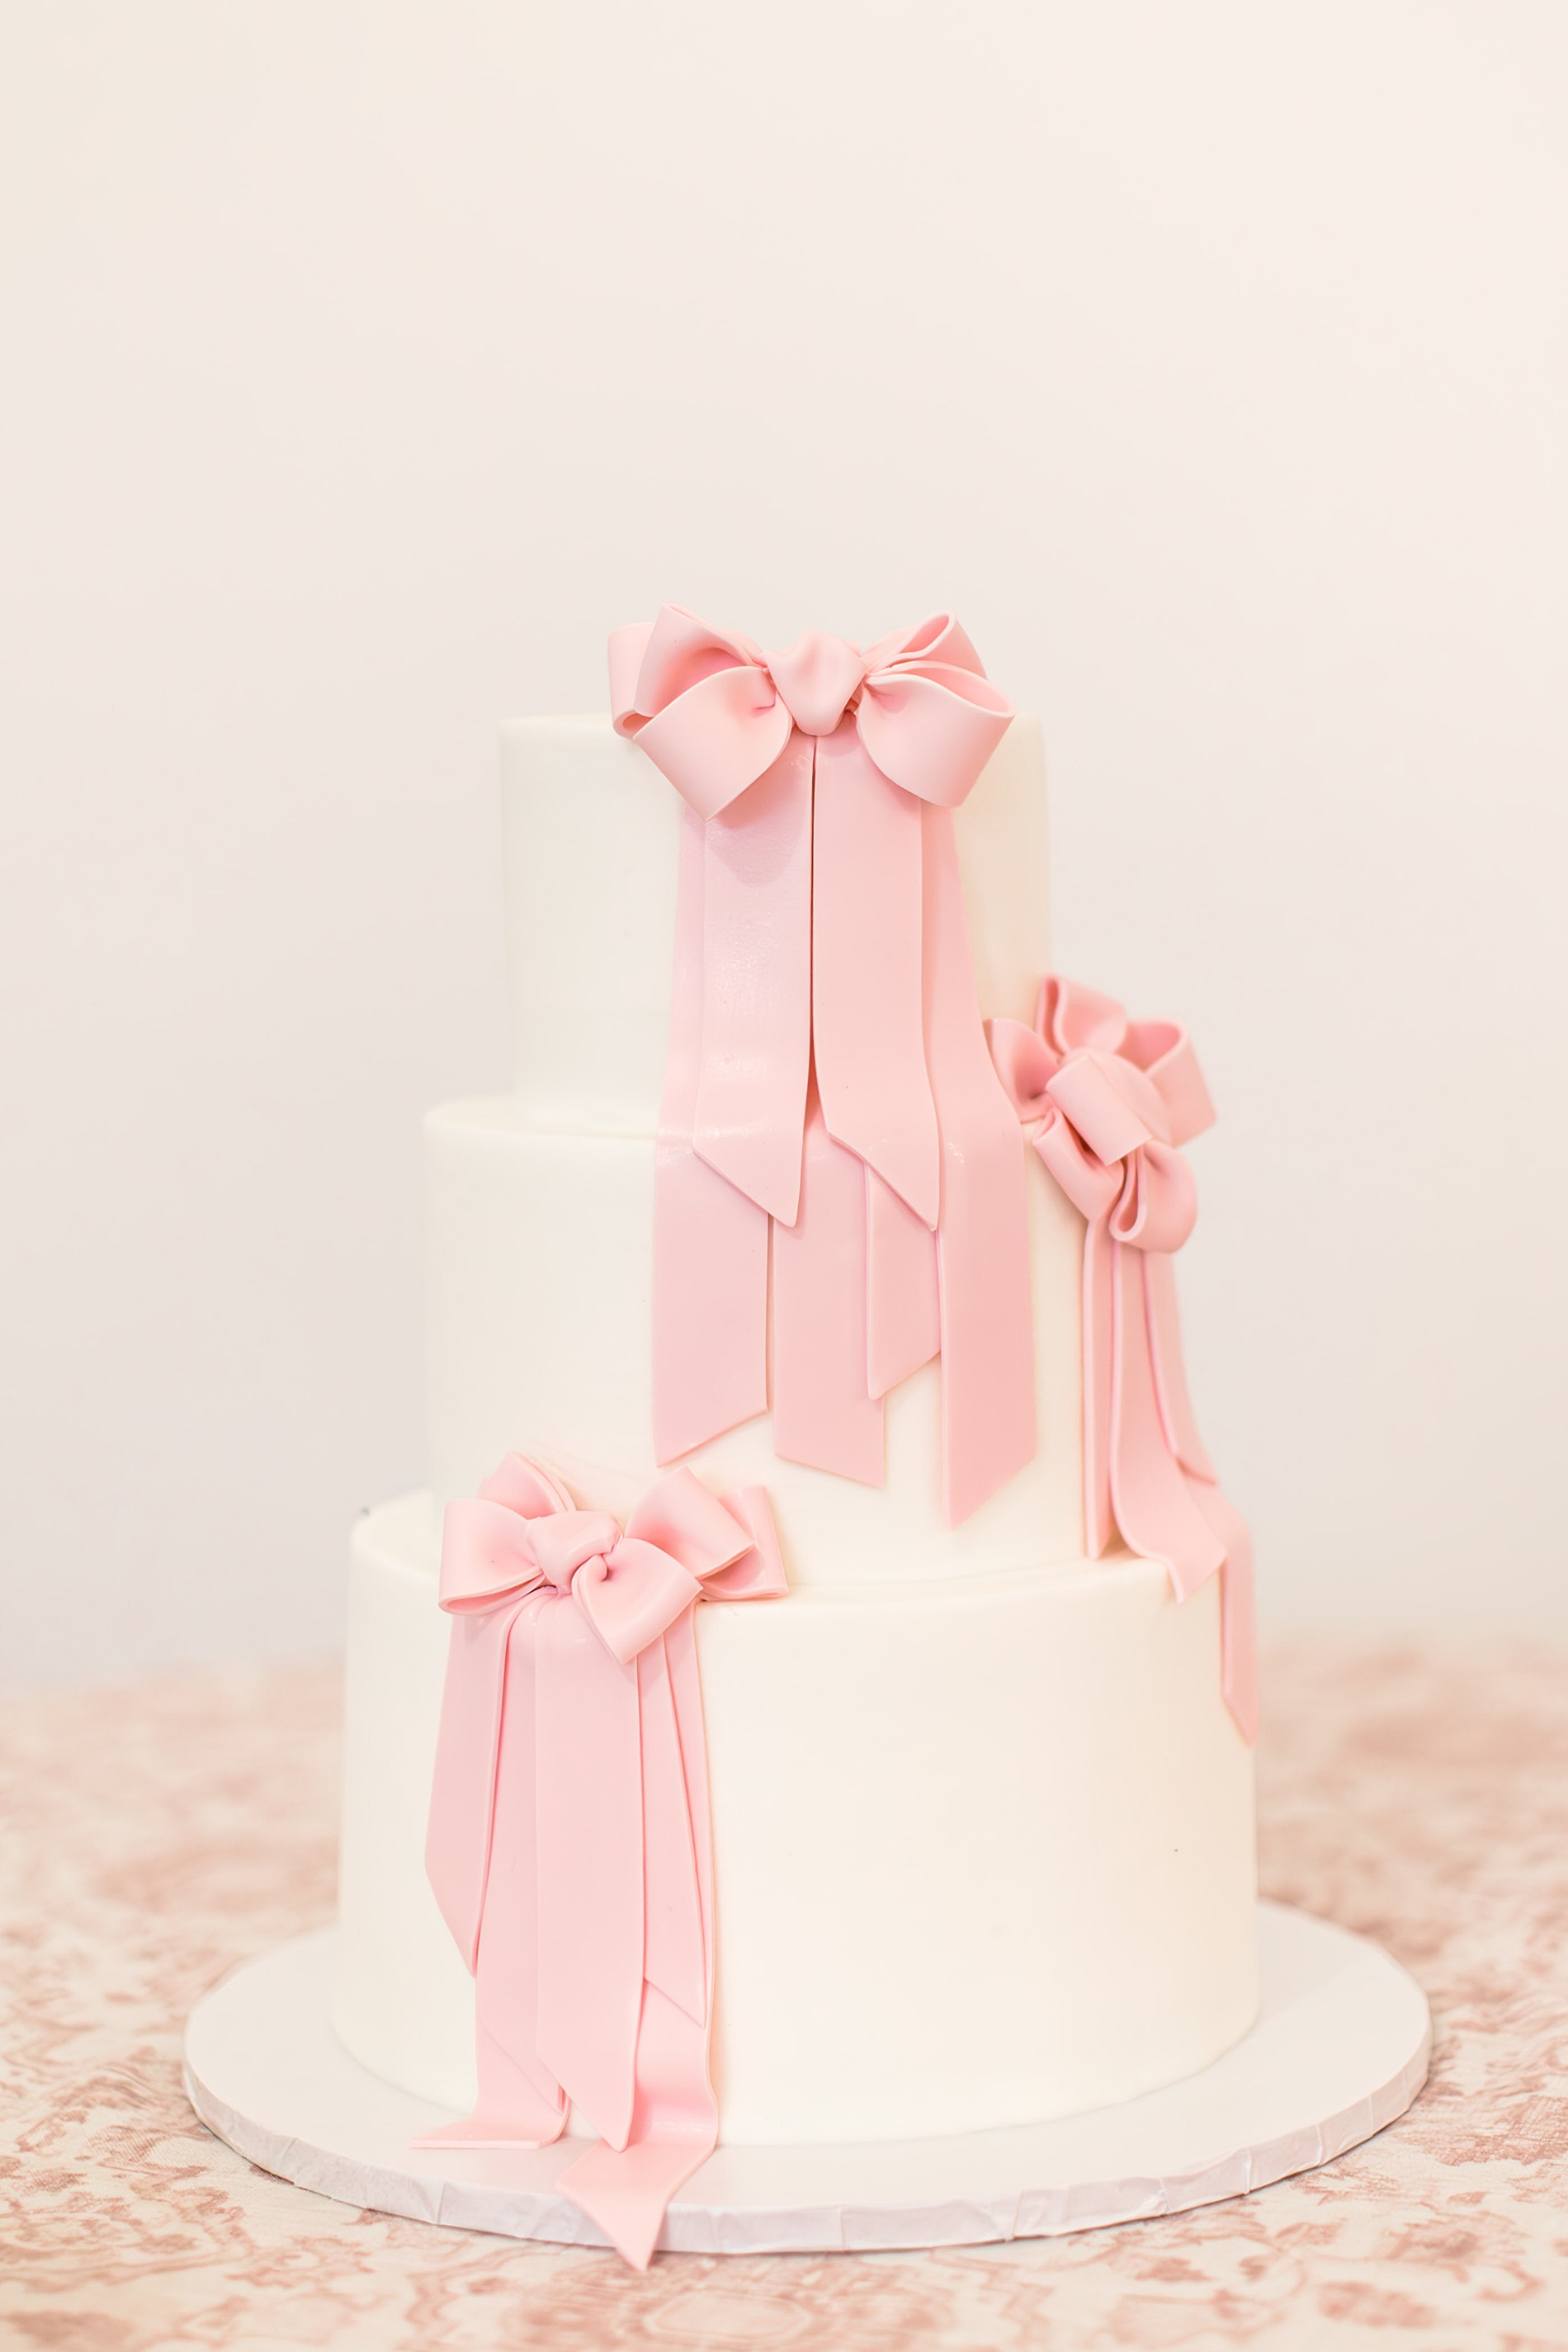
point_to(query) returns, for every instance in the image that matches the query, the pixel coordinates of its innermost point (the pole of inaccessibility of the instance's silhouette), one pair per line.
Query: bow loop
(678, 1536)
(1112, 1105)
(930, 727)
(1026, 1065)
(939, 638)
(1072, 1018)
(677, 651)
(487, 1556)
(1163, 1051)
(631, 1594)
(702, 704)
(1157, 1204)
(691, 1524)
(524, 1487)
(1091, 1186)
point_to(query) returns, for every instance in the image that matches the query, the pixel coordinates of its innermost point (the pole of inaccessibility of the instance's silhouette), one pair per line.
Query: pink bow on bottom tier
(568, 1844)
(1106, 1102)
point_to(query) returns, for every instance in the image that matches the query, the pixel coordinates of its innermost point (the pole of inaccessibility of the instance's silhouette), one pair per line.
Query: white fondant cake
(981, 1824)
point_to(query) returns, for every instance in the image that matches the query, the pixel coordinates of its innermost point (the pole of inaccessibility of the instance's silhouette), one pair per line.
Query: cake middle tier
(539, 1338)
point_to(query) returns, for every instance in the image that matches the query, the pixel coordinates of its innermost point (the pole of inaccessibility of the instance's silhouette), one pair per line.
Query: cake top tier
(591, 840)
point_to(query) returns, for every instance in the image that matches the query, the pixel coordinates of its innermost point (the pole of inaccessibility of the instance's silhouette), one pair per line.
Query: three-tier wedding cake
(827, 1716)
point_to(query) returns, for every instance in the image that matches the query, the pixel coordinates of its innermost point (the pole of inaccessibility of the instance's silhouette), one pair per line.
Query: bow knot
(818, 677)
(1105, 1101)
(568, 1541)
(522, 1533)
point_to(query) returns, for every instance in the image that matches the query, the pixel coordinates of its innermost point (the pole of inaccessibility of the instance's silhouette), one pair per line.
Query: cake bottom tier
(983, 1851)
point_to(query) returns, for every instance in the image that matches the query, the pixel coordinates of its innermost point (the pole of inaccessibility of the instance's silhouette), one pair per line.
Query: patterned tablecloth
(156, 1835)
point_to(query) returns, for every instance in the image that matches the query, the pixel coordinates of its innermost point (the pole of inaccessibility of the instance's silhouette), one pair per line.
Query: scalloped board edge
(1340, 2050)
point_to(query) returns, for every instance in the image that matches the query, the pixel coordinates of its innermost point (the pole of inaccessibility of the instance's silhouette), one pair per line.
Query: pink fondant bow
(1106, 1102)
(826, 1063)
(569, 1844)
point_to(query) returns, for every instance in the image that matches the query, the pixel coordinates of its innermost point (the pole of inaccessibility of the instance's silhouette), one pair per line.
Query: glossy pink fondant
(568, 1843)
(1107, 1103)
(827, 1062)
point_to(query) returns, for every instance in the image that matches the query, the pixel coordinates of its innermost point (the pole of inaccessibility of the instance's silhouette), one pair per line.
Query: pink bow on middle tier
(568, 1843)
(828, 1065)
(1106, 1102)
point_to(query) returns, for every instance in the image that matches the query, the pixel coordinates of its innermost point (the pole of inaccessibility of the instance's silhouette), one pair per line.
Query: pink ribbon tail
(1154, 1511)
(709, 1241)
(1170, 1368)
(1164, 1511)
(628, 2192)
(867, 919)
(675, 2116)
(589, 1899)
(462, 1808)
(823, 1412)
(1239, 1635)
(485, 1773)
(754, 1048)
(903, 1304)
(1238, 1621)
(1099, 1384)
(988, 1427)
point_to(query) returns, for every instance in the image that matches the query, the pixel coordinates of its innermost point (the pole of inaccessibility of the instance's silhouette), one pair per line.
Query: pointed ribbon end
(765, 1168)
(626, 2191)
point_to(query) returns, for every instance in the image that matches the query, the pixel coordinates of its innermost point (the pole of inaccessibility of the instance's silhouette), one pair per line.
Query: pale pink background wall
(363, 363)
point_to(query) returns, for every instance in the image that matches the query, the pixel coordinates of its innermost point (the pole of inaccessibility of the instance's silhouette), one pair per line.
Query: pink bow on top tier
(827, 1066)
(568, 1843)
(1107, 1102)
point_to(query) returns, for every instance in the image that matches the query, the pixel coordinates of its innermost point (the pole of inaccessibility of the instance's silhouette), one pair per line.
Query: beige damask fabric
(155, 1836)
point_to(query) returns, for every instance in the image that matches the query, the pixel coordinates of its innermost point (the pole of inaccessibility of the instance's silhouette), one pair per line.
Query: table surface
(158, 1834)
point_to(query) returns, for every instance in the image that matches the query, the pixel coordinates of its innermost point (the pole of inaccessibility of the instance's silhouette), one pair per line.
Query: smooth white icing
(983, 1851)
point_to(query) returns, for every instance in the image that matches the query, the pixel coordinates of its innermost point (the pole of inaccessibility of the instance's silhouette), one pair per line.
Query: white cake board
(1340, 2049)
